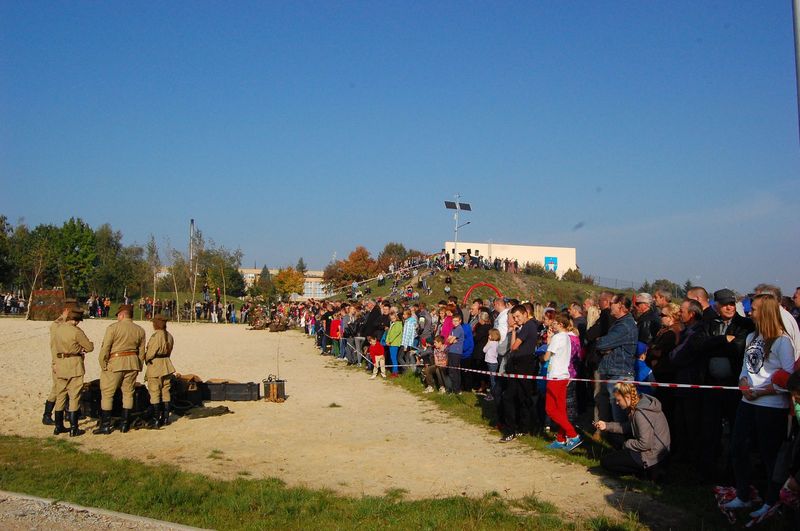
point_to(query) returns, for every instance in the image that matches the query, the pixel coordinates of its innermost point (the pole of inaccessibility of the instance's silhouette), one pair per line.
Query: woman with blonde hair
(761, 416)
(647, 433)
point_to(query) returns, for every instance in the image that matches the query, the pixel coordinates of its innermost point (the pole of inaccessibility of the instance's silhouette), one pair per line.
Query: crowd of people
(749, 346)
(13, 303)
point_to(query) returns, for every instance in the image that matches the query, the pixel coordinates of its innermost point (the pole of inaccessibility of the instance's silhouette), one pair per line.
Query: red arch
(480, 285)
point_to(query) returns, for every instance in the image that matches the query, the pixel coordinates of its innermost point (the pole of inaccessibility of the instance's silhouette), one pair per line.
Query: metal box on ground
(274, 389)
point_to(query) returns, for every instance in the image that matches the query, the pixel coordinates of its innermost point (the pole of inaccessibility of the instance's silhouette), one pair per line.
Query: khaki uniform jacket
(53, 327)
(70, 339)
(123, 336)
(160, 344)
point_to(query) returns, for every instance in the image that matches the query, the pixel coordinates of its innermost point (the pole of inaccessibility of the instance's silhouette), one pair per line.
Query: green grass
(57, 469)
(520, 286)
(682, 491)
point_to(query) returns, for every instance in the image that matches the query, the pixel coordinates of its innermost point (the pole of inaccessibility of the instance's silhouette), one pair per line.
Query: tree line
(84, 261)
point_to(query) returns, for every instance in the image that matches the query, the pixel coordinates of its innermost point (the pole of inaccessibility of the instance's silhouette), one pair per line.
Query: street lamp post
(457, 206)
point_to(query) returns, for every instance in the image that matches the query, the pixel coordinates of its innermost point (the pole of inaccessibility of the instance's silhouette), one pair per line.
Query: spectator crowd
(749, 346)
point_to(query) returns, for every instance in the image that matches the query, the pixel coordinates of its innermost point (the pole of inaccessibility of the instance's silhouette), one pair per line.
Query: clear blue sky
(306, 128)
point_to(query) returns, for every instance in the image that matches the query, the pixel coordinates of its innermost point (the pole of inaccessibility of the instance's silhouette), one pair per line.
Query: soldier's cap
(125, 308)
(724, 296)
(75, 315)
(160, 318)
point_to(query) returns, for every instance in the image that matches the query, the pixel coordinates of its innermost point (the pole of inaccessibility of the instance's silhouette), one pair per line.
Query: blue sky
(306, 128)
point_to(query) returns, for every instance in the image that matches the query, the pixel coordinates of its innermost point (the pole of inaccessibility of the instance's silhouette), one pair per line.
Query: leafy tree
(358, 266)
(77, 256)
(392, 252)
(220, 268)
(646, 287)
(572, 275)
(686, 287)
(35, 255)
(288, 281)
(6, 262)
(263, 288)
(666, 285)
(333, 276)
(301, 266)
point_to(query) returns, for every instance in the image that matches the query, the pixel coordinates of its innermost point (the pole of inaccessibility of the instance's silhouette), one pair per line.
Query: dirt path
(380, 438)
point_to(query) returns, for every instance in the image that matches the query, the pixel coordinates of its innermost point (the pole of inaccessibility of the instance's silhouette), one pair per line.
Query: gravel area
(19, 513)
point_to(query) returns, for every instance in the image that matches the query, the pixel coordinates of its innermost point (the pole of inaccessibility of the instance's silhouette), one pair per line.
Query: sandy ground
(381, 438)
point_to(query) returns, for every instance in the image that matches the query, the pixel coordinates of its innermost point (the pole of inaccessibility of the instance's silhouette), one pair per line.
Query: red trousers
(556, 408)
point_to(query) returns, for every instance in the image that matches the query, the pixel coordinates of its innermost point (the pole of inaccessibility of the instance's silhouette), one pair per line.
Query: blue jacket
(469, 341)
(621, 341)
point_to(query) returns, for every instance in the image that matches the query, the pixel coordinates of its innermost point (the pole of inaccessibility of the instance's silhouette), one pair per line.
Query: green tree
(686, 287)
(7, 272)
(392, 252)
(77, 256)
(153, 262)
(301, 266)
(646, 287)
(572, 275)
(263, 288)
(35, 254)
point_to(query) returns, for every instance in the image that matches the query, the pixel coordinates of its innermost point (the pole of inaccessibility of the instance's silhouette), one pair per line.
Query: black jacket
(689, 359)
(649, 323)
(717, 345)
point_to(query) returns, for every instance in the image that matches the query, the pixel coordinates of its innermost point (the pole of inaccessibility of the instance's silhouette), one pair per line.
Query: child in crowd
(378, 359)
(455, 342)
(490, 351)
(336, 333)
(439, 365)
(394, 339)
(559, 353)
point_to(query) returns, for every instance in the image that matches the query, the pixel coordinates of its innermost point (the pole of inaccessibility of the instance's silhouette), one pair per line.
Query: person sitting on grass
(376, 352)
(646, 449)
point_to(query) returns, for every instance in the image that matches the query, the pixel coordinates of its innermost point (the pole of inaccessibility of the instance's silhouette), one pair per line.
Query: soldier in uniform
(71, 344)
(121, 358)
(49, 404)
(159, 370)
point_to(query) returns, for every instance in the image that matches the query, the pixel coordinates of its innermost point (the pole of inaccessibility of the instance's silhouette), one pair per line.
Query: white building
(557, 259)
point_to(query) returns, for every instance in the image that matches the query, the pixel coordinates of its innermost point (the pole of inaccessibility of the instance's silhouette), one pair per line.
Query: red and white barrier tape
(588, 380)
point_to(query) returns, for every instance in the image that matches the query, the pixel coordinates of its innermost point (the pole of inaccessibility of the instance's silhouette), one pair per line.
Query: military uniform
(50, 402)
(121, 358)
(70, 343)
(159, 370)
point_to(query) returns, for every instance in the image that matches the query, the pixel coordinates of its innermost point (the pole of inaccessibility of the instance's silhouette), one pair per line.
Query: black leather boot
(165, 407)
(104, 424)
(59, 423)
(155, 420)
(47, 416)
(126, 421)
(74, 430)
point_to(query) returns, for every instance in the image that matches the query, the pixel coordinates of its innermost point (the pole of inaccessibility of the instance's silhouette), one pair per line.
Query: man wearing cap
(50, 403)
(159, 370)
(70, 344)
(647, 321)
(724, 350)
(121, 358)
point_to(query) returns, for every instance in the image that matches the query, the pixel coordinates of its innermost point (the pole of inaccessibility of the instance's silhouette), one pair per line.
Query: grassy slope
(521, 286)
(57, 469)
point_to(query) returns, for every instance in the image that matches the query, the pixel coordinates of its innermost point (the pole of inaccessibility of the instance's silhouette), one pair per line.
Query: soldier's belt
(68, 355)
(120, 354)
(161, 356)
